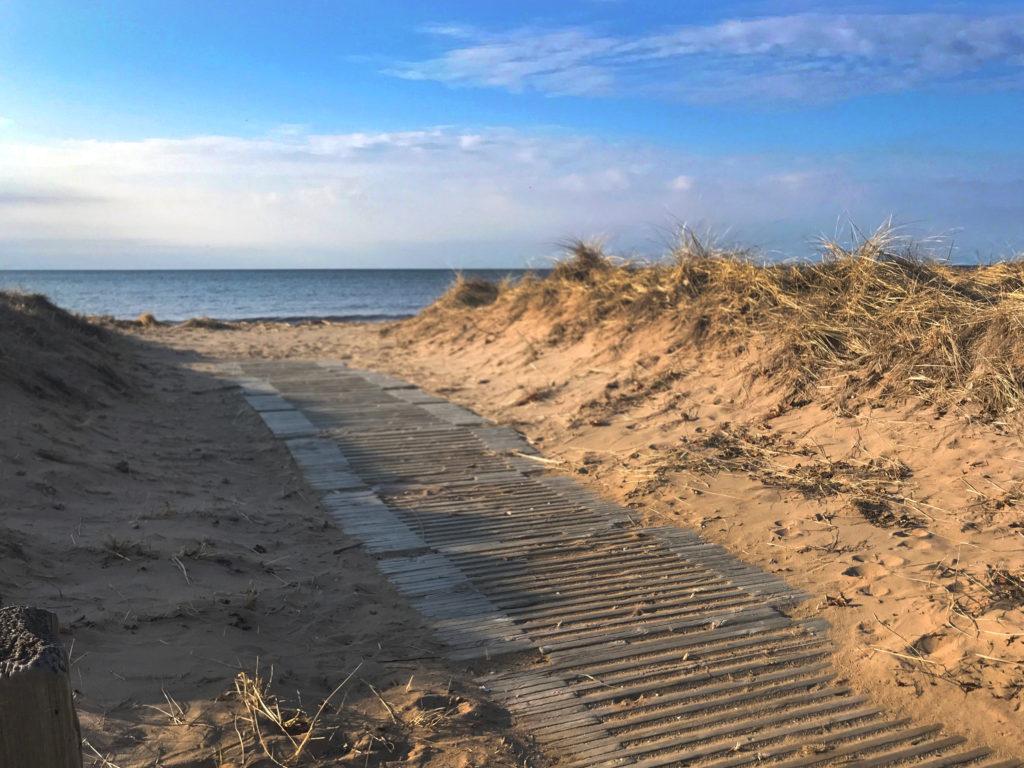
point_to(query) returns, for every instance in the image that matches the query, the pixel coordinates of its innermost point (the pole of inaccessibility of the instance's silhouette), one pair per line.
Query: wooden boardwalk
(615, 645)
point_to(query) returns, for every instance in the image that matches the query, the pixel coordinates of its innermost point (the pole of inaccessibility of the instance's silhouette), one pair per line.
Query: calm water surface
(242, 294)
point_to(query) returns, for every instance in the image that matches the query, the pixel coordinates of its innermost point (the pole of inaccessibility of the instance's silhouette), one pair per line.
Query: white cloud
(681, 184)
(326, 199)
(802, 57)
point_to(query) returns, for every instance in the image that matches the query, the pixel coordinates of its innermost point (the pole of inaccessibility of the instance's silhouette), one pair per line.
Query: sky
(176, 134)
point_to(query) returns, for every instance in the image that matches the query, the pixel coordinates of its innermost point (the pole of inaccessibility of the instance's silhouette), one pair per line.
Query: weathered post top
(38, 724)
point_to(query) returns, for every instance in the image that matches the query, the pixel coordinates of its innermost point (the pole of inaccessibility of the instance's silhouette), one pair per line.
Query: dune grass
(880, 316)
(469, 293)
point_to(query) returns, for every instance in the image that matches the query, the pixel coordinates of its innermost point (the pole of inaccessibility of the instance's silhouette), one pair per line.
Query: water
(243, 294)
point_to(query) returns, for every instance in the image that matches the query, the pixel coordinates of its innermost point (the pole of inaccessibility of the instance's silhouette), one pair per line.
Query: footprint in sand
(875, 590)
(868, 575)
(939, 647)
(917, 540)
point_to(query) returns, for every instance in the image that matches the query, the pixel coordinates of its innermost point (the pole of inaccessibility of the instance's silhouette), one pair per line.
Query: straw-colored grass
(469, 293)
(879, 317)
(288, 736)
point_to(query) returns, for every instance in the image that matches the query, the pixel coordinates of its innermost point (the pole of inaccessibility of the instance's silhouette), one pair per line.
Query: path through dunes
(611, 643)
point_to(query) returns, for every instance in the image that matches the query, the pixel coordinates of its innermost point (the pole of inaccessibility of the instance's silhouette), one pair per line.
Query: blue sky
(165, 134)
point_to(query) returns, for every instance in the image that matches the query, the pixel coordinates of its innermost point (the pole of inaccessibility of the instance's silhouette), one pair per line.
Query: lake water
(243, 294)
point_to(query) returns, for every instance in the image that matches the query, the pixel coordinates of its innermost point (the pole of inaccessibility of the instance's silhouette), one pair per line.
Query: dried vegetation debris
(976, 593)
(267, 725)
(259, 722)
(872, 485)
(638, 387)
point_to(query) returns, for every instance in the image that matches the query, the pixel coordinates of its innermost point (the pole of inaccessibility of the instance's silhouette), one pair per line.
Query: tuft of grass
(469, 293)
(585, 262)
(288, 736)
(125, 549)
(147, 320)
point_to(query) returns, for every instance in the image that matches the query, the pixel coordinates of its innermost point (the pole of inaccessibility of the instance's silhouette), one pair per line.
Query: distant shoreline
(300, 319)
(297, 319)
(283, 320)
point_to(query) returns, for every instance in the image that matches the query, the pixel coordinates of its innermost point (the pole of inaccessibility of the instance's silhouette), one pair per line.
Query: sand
(147, 505)
(901, 521)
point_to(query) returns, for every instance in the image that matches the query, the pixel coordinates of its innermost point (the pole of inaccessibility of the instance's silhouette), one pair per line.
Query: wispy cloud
(798, 57)
(312, 199)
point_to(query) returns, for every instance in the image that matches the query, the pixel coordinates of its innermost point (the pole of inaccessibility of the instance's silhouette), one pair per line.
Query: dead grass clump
(147, 320)
(886, 319)
(127, 550)
(620, 397)
(976, 594)
(881, 514)
(433, 710)
(469, 293)
(538, 394)
(1006, 589)
(585, 261)
(287, 735)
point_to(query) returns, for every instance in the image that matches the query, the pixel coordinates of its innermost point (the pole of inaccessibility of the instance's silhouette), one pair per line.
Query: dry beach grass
(879, 316)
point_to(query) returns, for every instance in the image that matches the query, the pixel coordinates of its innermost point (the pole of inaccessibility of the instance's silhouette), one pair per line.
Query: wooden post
(38, 724)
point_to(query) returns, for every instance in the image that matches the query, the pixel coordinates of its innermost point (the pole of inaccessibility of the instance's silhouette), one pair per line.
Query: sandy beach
(922, 595)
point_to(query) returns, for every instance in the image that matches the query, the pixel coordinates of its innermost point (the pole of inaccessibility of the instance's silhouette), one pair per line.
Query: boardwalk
(612, 644)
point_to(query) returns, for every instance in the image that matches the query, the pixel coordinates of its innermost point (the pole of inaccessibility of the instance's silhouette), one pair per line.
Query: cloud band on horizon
(444, 189)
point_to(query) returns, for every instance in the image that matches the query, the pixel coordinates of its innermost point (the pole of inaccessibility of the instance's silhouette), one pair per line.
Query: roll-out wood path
(611, 643)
